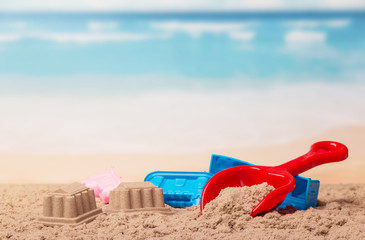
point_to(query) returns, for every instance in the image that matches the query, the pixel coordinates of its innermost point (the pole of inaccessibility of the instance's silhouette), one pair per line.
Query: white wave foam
(307, 37)
(333, 23)
(338, 23)
(95, 37)
(303, 23)
(102, 26)
(176, 121)
(10, 37)
(195, 29)
(245, 36)
(87, 37)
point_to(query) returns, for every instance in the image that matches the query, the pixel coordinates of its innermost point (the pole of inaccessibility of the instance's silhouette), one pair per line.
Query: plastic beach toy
(184, 189)
(103, 183)
(180, 189)
(280, 177)
(302, 197)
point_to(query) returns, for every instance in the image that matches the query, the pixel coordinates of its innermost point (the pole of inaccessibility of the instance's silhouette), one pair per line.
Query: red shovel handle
(319, 153)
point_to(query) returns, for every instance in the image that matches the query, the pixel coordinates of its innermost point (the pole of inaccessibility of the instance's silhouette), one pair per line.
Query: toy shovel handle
(319, 153)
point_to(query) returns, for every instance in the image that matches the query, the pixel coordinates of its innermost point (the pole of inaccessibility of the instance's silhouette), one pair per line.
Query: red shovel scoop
(280, 177)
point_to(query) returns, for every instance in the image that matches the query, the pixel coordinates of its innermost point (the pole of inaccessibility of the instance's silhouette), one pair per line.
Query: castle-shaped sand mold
(137, 196)
(70, 205)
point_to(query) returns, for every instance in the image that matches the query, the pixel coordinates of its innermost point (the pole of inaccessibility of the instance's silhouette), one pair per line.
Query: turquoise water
(206, 47)
(177, 82)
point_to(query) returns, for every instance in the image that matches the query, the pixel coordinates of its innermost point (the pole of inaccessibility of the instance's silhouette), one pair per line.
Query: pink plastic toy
(103, 183)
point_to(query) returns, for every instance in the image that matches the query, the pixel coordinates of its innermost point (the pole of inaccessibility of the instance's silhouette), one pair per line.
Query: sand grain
(340, 215)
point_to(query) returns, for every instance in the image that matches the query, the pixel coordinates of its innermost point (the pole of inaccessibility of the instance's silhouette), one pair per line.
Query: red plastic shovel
(280, 177)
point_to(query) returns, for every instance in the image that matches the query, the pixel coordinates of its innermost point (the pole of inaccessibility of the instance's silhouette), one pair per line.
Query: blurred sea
(177, 82)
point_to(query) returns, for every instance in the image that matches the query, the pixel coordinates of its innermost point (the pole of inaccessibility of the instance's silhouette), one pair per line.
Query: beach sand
(42, 168)
(340, 215)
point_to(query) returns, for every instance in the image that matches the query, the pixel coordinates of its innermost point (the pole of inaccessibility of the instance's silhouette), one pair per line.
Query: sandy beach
(340, 214)
(42, 168)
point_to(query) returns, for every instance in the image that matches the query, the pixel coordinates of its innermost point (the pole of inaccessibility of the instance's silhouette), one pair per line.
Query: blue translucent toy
(180, 189)
(302, 197)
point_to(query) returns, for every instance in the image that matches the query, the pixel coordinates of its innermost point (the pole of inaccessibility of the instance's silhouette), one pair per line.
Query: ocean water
(177, 83)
